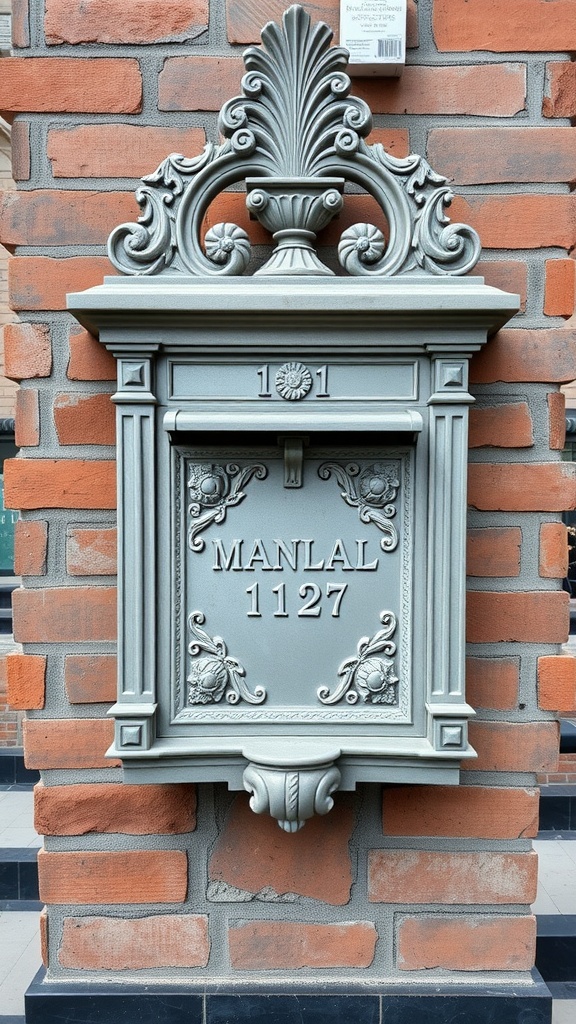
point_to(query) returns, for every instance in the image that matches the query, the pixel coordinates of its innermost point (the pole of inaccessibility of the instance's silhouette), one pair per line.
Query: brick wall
(7, 387)
(387, 885)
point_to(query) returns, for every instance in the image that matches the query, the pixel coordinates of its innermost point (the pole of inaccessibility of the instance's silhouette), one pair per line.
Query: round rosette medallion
(293, 381)
(207, 681)
(378, 484)
(376, 681)
(208, 485)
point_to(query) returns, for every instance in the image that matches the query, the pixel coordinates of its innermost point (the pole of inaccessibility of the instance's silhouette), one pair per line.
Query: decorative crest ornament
(294, 137)
(218, 675)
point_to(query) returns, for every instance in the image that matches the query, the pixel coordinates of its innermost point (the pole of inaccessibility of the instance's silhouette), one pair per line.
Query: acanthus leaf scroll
(218, 675)
(213, 490)
(367, 676)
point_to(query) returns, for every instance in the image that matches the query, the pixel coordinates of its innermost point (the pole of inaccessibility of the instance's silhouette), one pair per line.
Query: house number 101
(311, 594)
(302, 381)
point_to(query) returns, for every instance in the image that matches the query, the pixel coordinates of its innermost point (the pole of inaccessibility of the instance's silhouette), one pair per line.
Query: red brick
(557, 683)
(494, 551)
(476, 156)
(84, 419)
(30, 545)
(42, 282)
(27, 351)
(561, 89)
(560, 288)
(493, 90)
(123, 21)
(114, 807)
(104, 85)
(493, 682)
(274, 945)
(204, 83)
(20, 23)
(129, 876)
(557, 420)
(527, 221)
(467, 943)
(26, 674)
(507, 425)
(117, 150)
(89, 360)
(59, 483)
(514, 746)
(125, 944)
(44, 936)
(396, 141)
(91, 552)
(90, 678)
(50, 217)
(20, 145)
(421, 876)
(553, 562)
(522, 355)
(287, 867)
(473, 812)
(68, 743)
(27, 432)
(494, 617)
(244, 21)
(503, 25)
(64, 614)
(517, 487)
(509, 275)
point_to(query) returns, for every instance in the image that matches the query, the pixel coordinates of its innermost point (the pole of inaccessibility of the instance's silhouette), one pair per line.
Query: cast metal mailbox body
(292, 453)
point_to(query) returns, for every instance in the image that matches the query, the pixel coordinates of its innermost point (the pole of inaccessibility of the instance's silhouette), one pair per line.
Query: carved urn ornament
(295, 137)
(292, 452)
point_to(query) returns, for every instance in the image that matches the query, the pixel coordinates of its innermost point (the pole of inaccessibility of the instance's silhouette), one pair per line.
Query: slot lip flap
(308, 419)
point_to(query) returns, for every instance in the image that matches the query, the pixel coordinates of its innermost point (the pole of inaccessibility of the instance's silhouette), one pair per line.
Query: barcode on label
(389, 47)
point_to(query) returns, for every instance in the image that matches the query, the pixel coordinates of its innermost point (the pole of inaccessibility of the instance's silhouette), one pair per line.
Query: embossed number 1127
(311, 593)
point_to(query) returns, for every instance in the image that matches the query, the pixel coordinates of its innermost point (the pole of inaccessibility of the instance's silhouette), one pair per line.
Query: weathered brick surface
(81, 418)
(30, 547)
(27, 433)
(287, 867)
(466, 943)
(475, 156)
(20, 144)
(91, 552)
(124, 944)
(129, 876)
(514, 746)
(423, 876)
(493, 551)
(27, 351)
(64, 614)
(519, 221)
(560, 287)
(540, 617)
(527, 355)
(553, 560)
(114, 808)
(509, 275)
(529, 487)
(71, 84)
(272, 945)
(557, 683)
(68, 743)
(477, 812)
(59, 483)
(89, 360)
(44, 936)
(26, 676)
(504, 25)
(508, 425)
(20, 23)
(123, 21)
(117, 150)
(493, 682)
(557, 420)
(50, 217)
(561, 98)
(90, 678)
(42, 282)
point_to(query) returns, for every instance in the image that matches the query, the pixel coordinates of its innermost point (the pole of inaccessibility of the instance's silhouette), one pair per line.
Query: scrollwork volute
(294, 137)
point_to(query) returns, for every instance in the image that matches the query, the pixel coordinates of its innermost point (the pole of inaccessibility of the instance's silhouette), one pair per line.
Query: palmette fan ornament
(294, 138)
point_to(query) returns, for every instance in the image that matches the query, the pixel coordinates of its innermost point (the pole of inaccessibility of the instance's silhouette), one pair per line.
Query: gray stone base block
(316, 1003)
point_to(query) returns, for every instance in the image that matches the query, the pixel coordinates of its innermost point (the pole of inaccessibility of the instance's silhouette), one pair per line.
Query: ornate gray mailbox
(292, 451)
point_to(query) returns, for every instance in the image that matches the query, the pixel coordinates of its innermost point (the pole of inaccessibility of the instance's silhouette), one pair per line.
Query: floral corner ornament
(213, 490)
(218, 675)
(372, 491)
(367, 677)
